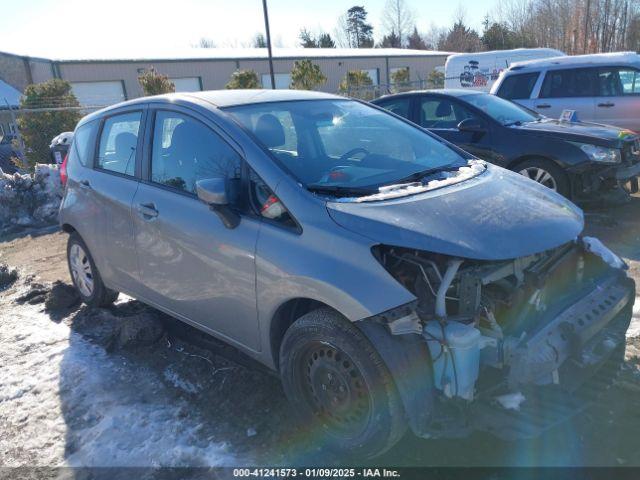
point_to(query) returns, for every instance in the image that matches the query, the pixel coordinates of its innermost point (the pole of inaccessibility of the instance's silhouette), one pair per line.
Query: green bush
(154, 83)
(38, 128)
(306, 75)
(241, 79)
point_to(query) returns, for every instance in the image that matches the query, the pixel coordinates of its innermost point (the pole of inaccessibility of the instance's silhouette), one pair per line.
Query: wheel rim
(335, 389)
(81, 270)
(541, 176)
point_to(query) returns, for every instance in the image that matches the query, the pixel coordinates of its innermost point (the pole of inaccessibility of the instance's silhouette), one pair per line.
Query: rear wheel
(85, 275)
(546, 173)
(337, 382)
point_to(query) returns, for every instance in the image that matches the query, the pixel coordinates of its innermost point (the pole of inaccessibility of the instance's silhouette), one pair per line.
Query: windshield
(501, 110)
(343, 144)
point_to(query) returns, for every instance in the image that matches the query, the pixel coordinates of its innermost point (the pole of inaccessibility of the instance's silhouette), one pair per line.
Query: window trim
(141, 130)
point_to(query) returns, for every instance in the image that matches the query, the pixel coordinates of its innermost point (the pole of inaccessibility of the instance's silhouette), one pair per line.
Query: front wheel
(546, 173)
(338, 383)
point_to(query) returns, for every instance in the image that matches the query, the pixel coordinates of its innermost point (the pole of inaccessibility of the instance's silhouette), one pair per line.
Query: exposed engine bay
(494, 326)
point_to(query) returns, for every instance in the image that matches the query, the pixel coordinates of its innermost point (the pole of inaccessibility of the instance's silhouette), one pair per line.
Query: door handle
(85, 184)
(543, 105)
(148, 210)
(606, 105)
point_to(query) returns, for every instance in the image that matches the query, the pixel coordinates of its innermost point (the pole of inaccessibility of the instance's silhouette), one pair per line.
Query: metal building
(105, 79)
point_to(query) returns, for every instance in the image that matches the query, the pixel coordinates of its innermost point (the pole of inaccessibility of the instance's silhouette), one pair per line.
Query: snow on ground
(65, 401)
(634, 328)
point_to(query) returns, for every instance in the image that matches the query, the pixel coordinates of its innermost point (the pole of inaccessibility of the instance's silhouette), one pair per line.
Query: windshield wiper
(517, 123)
(423, 173)
(339, 190)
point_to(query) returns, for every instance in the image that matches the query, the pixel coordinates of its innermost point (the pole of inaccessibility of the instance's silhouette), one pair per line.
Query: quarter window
(398, 106)
(118, 143)
(518, 87)
(185, 151)
(569, 83)
(81, 149)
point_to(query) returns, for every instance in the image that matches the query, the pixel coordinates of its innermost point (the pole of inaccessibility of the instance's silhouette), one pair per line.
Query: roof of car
(453, 92)
(579, 60)
(228, 98)
(223, 98)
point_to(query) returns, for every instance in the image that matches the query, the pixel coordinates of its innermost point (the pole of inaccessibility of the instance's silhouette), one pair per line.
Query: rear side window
(118, 143)
(83, 141)
(580, 82)
(518, 87)
(185, 151)
(618, 81)
(399, 106)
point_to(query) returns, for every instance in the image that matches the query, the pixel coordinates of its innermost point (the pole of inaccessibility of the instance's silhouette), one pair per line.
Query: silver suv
(601, 88)
(391, 279)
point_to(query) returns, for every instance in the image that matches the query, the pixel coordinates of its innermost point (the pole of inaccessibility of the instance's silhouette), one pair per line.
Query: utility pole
(266, 26)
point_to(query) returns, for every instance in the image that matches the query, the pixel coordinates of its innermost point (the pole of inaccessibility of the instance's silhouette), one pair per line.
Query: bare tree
(398, 19)
(205, 43)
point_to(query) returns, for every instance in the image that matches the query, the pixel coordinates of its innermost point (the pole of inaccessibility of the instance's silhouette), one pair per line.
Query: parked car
(602, 88)
(573, 158)
(390, 279)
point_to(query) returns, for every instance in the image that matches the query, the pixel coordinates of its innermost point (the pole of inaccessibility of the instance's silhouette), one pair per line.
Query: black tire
(100, 295)
(558, 176)
(326, 361)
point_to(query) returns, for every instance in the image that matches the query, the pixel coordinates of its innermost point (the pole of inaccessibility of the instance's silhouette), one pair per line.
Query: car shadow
(188, 400)
(618, 227)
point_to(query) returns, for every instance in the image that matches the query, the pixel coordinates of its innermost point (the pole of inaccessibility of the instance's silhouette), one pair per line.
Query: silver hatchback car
(390, 278)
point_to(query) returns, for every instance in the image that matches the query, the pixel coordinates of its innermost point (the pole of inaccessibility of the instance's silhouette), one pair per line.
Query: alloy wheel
(81, 270)
(541, 176)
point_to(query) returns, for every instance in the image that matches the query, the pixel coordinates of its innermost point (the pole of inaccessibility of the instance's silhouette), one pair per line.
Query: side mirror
(213, 192)
(472, 125)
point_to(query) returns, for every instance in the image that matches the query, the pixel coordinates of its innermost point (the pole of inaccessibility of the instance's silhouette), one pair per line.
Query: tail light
(63, 171)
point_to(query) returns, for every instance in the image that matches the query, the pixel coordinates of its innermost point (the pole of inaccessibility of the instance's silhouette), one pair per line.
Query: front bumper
(584, 364)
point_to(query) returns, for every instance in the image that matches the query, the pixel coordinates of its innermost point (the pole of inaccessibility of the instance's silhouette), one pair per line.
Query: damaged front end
(513, 343)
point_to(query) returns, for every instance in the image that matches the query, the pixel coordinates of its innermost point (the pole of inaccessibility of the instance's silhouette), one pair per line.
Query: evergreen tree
(306, 75)
(461, 39)
(355, 79)
(415, 41)
(38, 128)
(154, 83)
(359, 32)
(308, 40)
(242, 79)
(325, 41)
(497, 36)
(390, 41)
(435, 79)
(259, 41)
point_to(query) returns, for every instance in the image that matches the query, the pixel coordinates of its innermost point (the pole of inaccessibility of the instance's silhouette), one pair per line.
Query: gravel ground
(129, 386)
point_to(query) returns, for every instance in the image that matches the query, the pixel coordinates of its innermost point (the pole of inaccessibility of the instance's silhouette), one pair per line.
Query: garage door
(283, 80)
(98, 93)
(187, 84)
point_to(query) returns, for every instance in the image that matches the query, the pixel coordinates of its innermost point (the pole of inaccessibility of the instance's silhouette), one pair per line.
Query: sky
(84, 27)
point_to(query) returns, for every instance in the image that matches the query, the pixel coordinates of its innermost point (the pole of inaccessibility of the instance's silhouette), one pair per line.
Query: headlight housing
(599, 154)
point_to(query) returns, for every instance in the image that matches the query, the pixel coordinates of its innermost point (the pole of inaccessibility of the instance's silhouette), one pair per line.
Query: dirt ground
(86, 395)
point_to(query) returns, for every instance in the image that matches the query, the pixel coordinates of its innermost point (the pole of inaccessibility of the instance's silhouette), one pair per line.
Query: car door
(191, 265)
(441, 115)
(567, 89)
(618, 100)
(113, 183)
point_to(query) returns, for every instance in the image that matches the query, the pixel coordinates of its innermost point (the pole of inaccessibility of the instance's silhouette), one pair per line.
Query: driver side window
(441, 113)
(185, 151)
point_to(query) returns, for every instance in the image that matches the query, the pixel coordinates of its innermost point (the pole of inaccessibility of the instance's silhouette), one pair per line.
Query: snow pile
(472, 169)
(30, 200)
(65, 401)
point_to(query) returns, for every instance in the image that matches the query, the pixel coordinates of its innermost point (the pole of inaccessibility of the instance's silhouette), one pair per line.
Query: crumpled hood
(604, 135)
(497, 215)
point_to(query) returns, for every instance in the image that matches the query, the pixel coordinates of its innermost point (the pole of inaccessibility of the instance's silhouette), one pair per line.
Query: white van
(479, 70)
